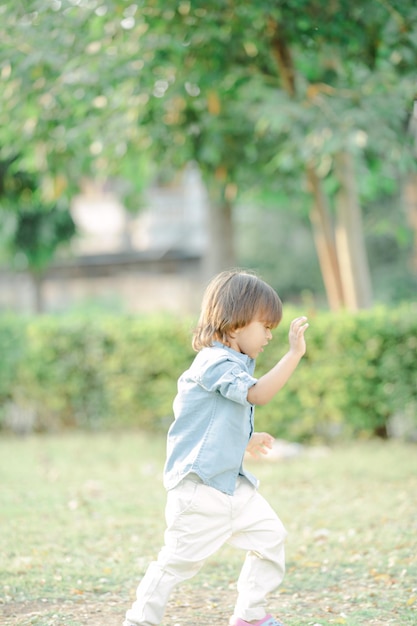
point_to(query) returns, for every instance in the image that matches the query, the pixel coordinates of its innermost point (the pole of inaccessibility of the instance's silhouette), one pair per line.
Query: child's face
(251, 339)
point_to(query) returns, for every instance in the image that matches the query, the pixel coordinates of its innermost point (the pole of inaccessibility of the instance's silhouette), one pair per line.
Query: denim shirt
(213, 420)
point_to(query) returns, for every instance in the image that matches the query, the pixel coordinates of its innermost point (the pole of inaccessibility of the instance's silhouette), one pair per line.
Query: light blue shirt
(213, 420)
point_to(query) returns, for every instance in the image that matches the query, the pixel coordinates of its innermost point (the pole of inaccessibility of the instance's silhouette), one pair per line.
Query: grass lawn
(81, 516)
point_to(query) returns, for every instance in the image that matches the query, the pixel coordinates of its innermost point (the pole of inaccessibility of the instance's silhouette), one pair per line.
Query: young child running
(211, 498)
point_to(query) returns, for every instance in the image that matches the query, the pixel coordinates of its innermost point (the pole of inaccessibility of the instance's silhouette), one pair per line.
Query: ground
(81, 516)
(205, 606)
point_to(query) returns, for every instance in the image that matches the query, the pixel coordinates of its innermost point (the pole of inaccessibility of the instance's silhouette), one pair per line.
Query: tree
(32, 230)
(270, 91)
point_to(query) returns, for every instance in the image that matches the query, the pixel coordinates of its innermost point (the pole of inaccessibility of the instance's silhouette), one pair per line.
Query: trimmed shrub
(358, 376)
(359, 373)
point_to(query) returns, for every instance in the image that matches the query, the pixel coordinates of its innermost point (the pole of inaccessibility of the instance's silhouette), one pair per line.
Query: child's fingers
(299, 326)
(298, 321)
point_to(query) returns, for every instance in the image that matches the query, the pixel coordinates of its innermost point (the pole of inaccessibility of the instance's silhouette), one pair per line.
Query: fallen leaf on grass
(77, 592)
(382, 577)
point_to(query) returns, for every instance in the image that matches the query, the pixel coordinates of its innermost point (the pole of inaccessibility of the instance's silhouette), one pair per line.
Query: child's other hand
(296, 335)
(259, 443)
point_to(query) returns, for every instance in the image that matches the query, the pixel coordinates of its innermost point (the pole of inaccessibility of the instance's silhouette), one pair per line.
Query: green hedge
(359, 373)
(359, 376)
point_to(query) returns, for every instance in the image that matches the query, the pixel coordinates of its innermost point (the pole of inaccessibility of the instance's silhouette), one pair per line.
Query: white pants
(200, 520)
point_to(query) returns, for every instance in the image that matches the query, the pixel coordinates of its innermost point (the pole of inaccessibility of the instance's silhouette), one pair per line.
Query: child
(211, 498)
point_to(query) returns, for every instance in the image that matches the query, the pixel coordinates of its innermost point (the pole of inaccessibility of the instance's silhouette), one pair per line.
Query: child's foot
(268, 620)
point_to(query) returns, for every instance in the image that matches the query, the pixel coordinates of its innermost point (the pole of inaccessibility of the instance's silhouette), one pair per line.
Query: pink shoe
(268, 620)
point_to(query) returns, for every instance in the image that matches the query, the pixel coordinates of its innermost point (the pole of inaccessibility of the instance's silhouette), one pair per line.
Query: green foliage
(106, 88)
(13, 349)
(93, 85)
(358, 374)
(33, 228)
(87, 372)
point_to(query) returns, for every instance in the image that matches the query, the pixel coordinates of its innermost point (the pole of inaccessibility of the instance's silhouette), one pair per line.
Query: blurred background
(145, 146)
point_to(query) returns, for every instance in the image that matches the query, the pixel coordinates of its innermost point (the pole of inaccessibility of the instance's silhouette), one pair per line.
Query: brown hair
(232, 300)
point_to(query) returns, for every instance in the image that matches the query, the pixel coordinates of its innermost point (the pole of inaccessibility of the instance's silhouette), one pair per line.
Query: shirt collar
(243, 357)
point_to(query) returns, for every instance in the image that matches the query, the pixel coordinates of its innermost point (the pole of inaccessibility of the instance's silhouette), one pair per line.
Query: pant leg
(258, 530)
(198, 524)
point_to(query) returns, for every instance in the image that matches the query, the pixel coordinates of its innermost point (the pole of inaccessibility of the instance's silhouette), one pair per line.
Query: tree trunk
(37, 290)
(410, 201)
(324, 241)
(319, 214)
(350, 241)
(220, 253)
(344, 266)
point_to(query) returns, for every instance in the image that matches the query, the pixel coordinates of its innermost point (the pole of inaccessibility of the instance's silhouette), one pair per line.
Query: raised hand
(296, 335)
